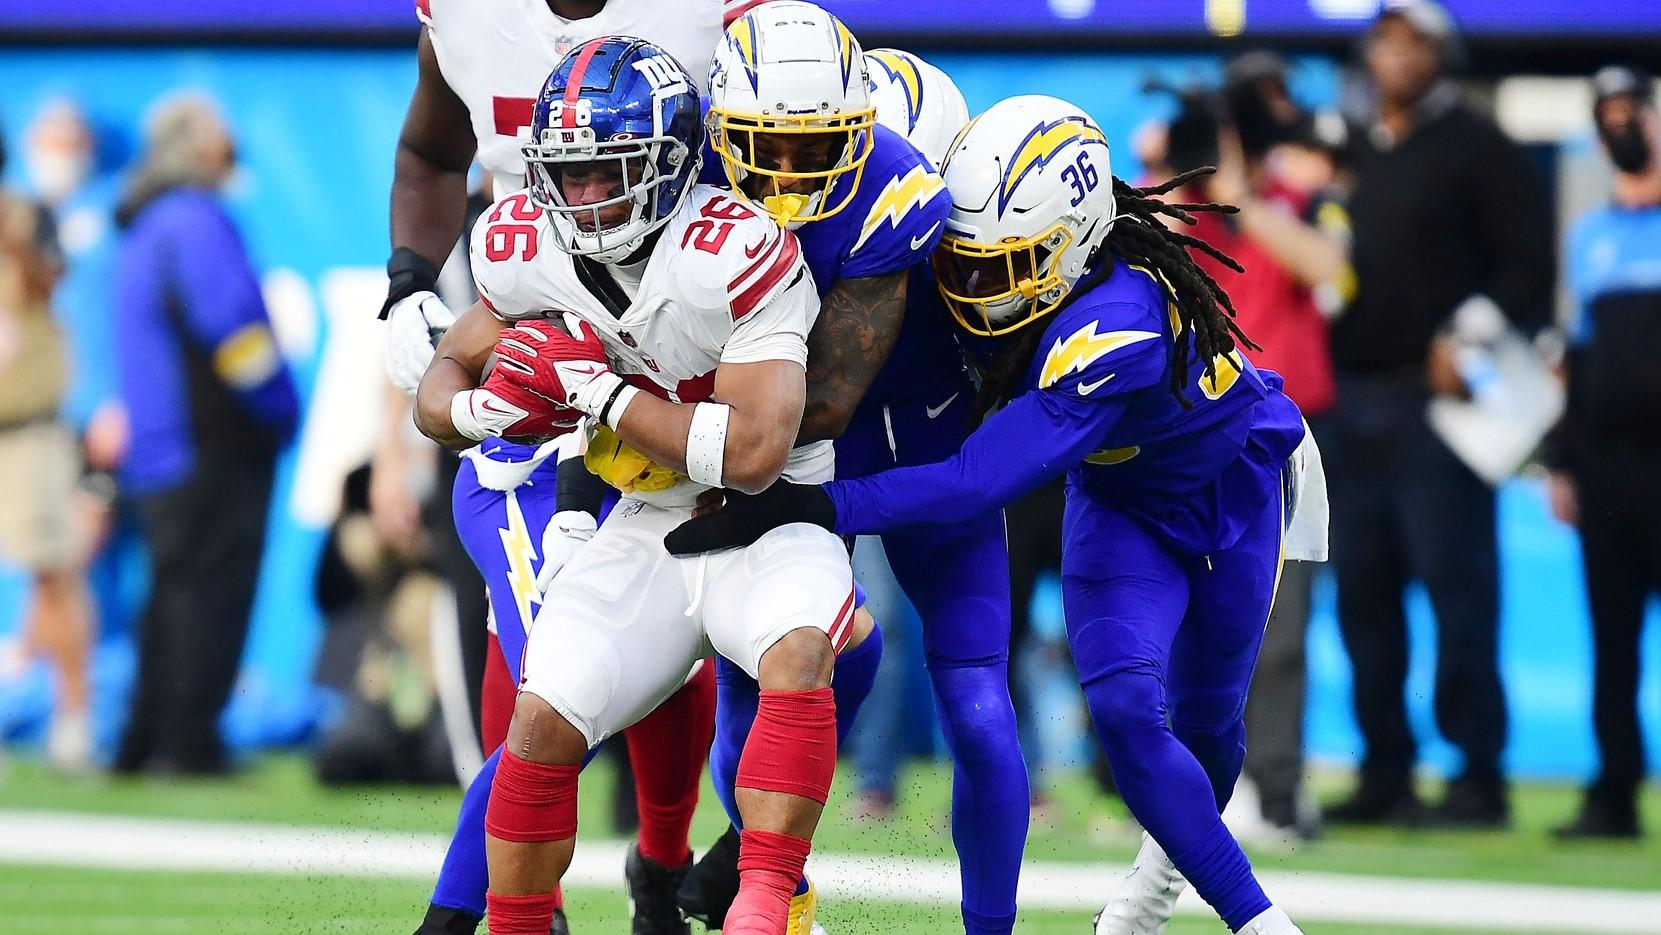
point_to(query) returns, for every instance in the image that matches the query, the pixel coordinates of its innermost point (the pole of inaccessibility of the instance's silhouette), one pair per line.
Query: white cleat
(1147, 898)
(1272, 921)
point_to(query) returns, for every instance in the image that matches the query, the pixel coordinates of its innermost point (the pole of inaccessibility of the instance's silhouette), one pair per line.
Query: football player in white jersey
(480, 63)
(688, 314)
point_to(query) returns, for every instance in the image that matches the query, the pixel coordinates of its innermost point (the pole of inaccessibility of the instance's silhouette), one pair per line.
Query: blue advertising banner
(944, 19)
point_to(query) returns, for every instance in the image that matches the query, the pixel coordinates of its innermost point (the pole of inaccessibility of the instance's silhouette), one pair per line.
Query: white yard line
(82, 840)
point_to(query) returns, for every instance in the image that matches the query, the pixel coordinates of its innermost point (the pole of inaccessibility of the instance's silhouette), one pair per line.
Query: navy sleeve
(1036, 437)
(219, 295)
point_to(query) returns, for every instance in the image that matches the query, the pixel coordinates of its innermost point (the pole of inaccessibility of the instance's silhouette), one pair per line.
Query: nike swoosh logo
(487, 407)
(919, 241)
(1085, 389)
(752, 254)
(935, 411)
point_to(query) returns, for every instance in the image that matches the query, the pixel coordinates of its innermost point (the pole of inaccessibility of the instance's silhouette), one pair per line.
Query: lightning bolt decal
(1084, 347)
(898, 197)
(1041, 146)
(904, 70)
(516, 545)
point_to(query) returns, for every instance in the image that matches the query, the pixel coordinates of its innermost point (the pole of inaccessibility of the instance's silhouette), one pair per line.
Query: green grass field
(1080, 827)
(48, 901)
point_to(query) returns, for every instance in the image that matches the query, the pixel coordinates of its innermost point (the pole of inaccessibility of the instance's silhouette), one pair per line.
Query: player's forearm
(435, 399)
(429, 205)
(859, 321)
(754, 451)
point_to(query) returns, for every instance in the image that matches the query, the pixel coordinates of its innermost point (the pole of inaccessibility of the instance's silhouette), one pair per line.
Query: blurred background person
(1606, 450)
(38, 470)
(1446, 211)
(211, 404)
(1290, 235)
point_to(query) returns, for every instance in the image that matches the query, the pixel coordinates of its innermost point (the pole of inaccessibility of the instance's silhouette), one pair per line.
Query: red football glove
(547, 361)
(504, 396)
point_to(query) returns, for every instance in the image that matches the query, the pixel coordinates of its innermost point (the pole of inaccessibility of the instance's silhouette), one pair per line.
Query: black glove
(407, 273)
(747, 517)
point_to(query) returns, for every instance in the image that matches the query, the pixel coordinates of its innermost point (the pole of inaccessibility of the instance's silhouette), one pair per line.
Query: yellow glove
(613, 461)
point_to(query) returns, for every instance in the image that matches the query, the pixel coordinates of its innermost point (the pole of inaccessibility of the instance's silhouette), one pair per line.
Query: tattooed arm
(859, 321)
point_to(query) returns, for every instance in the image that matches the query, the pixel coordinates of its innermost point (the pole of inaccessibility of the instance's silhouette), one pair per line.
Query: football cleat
(560, 926)
(802, 908)
(652, 887)
(709, 889)
(1271, 921)
(1147, 897)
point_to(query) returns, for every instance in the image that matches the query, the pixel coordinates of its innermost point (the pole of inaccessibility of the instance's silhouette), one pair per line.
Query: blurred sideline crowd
(1402, 264)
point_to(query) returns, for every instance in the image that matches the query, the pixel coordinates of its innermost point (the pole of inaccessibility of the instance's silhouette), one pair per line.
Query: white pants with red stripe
(624, 621)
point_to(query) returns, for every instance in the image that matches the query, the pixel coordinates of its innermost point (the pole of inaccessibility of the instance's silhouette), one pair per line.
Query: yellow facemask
(734, 138)
(975, 279)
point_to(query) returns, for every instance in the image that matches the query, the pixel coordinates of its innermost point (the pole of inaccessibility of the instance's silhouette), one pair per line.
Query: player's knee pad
(1208, 714)
(792, 744)
(532, 801)
(1126, 700)
(975, 708)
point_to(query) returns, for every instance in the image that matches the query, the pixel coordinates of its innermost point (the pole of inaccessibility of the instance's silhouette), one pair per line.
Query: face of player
(983, 277)
(1403, 61)
(589, 183)
(793, 152)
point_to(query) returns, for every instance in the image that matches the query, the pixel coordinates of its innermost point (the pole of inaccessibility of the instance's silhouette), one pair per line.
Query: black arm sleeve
(576, 488)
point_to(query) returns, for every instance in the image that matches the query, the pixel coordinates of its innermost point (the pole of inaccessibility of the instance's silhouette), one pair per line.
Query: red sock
(532, 802)
(792, 745)
(667, 750)
(769, 866)
(496, 698)
(519, 915)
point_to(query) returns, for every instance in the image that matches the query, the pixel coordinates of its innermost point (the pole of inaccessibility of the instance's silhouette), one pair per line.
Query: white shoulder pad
(506, 241)
(731, 256)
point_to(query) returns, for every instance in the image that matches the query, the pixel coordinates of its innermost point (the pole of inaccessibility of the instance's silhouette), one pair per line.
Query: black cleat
(560, 926)
(1371, 806)
(1473, 805)
(1604, 817)
(652, 888)
(442, 920)
(709, 889)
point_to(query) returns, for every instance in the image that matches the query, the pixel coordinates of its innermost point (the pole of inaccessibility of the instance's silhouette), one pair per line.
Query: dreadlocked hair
(1139, 237)
(1203, 310)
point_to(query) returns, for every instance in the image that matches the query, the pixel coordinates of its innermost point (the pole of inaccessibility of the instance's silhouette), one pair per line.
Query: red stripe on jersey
(783, 262)
(751, 270)
(424, 10)
(511, 114)
(573, 87)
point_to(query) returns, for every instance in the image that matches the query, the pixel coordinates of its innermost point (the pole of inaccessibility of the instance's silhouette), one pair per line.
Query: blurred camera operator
(1605, 450)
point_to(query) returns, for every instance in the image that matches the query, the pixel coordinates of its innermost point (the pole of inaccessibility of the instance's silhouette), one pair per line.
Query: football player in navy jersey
(891, 388)
(1182, 463)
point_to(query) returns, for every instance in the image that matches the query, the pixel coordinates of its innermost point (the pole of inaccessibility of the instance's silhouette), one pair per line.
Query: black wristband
(576, 488)
(605, 411)
(407, 273)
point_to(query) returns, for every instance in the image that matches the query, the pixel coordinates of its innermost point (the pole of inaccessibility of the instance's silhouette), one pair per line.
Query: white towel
(1306, 527)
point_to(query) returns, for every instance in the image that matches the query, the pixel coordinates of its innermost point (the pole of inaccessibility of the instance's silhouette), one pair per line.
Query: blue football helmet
(615, 145)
